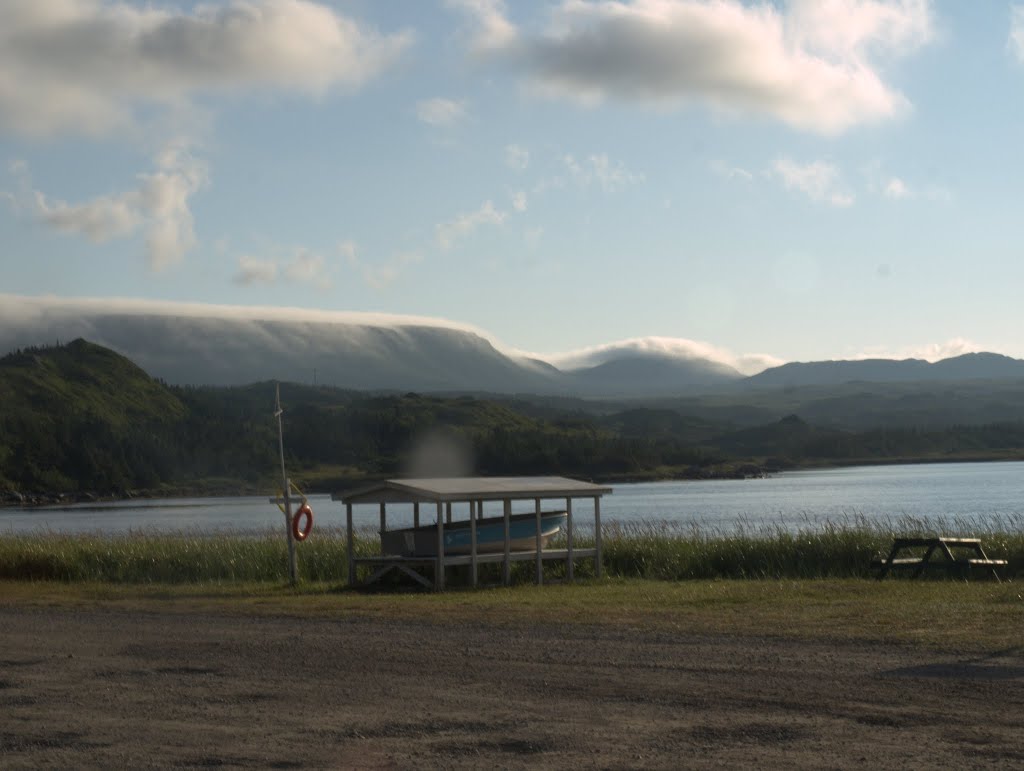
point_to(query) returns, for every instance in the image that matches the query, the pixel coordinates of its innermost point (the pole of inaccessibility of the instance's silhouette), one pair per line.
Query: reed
(648, 550)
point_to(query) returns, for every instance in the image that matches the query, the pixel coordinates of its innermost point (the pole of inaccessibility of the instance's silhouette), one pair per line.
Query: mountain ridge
(414, 355)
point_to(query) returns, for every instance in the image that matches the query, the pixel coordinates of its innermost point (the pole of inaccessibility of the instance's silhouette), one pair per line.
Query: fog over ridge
(208, 344)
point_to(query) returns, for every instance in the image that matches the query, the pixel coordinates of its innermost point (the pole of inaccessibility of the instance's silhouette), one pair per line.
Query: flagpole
(287, 489)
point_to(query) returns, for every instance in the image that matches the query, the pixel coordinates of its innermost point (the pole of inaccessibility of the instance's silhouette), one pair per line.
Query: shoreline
(12, 499)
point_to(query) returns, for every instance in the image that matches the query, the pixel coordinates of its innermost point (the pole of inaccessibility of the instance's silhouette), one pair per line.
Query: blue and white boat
(490, 535)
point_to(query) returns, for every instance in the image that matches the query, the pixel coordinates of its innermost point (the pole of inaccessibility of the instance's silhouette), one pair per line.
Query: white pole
(439, 565)
(292, 568)
(539, 567)
(473, 570)
(506, 566)
(568, 539)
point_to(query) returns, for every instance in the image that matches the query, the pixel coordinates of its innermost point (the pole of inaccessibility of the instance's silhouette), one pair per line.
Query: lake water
(982, 494)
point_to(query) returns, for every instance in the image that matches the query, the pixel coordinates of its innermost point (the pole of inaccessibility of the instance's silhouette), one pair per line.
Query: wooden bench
(940, 545)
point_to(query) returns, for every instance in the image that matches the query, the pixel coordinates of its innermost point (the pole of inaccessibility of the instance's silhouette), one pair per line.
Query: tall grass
(650, 550)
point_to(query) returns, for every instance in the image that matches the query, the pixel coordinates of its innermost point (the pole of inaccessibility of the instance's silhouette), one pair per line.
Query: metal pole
(292, 568)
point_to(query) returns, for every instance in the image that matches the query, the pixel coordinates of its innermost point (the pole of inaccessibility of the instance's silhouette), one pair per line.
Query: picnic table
(942, 546)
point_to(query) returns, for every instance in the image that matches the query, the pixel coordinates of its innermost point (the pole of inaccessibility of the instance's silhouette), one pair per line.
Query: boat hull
(490, 536)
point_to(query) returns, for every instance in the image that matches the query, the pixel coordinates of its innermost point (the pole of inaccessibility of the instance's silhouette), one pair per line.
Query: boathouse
(444, 542)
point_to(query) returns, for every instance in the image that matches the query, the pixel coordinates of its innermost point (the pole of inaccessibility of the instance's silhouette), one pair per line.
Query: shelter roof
(453, 489)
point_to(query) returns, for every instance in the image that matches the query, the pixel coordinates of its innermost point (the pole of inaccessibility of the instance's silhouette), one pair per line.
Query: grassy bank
(653, 551)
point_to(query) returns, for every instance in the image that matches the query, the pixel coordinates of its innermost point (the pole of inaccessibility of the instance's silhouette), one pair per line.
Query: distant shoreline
(730, 472)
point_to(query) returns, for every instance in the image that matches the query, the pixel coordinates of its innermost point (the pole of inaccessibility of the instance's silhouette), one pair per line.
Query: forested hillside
(80, 419)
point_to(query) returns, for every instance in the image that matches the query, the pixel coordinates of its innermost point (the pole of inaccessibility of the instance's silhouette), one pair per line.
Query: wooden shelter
(441, 494)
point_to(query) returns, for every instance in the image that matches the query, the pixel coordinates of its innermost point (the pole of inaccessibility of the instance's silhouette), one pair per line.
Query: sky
(801, 180)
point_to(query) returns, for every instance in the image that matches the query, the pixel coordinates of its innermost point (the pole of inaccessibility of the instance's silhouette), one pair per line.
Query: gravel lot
(105, 688)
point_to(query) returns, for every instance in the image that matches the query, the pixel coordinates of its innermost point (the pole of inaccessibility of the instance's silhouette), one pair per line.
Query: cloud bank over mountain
(199, 344)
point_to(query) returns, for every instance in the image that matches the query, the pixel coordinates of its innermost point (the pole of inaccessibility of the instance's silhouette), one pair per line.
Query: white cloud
(23, 310)
(307, 267)
(89, 66)
(956, 346)
(1016, 40)
(159, 207)
(99, 220)
(682, 348)
(440, 112)
(600, 170)
(519, 201)
(301, 267)
(464, 224)
(896, 188)
(722, 169)
(809, 64)
(377, 275)
(818, 180)
(348, 249)
(252, 270)
(517, 157)
(491, 30)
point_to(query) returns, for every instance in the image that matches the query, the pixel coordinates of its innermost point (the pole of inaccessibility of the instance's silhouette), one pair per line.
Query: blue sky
(777, 181)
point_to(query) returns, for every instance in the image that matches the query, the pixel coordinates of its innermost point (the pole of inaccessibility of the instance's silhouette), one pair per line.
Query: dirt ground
(110, 688)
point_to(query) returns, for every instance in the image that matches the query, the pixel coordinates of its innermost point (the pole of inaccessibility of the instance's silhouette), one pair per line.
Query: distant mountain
(219, 345)
(971, 366)
(650, 374)
(226, 348)
(192, 350)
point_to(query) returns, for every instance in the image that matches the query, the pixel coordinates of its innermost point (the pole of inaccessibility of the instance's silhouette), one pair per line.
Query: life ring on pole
(303, 512)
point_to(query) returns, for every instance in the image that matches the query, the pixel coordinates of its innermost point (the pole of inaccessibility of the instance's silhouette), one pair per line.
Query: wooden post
(350, 547)
(539, 577)
(439, 567)
(506, 567)
(568, 539)
(416, 514)
(472, 545)
(383, 518)
(597, 536)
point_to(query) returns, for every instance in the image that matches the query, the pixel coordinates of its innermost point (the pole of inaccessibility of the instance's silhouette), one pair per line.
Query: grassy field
(971, 617)
(652, 551)
(814, 584)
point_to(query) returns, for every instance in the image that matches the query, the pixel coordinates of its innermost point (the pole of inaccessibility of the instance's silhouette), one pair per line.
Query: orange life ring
(302, 533)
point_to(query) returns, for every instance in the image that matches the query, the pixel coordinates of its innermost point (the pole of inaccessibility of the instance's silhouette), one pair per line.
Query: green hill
(80, 416)
(80, 419)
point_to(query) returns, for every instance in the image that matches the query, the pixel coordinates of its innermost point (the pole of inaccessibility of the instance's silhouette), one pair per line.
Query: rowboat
(490, 535)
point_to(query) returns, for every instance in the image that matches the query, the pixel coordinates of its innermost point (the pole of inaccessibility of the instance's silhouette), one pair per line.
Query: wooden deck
(407, 565)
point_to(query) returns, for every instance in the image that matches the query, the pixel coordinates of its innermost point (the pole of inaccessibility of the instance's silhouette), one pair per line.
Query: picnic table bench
(938, 545)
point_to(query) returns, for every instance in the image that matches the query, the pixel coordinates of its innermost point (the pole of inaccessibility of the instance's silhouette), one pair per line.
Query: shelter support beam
(569, 560)
(506, 566)
(439, 569)
(350, 546)
(539, 565)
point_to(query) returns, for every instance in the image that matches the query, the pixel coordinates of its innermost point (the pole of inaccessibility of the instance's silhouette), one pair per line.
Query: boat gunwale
(464, 524)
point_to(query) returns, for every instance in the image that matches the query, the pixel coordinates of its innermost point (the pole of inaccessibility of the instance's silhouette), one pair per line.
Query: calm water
(969, 492)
